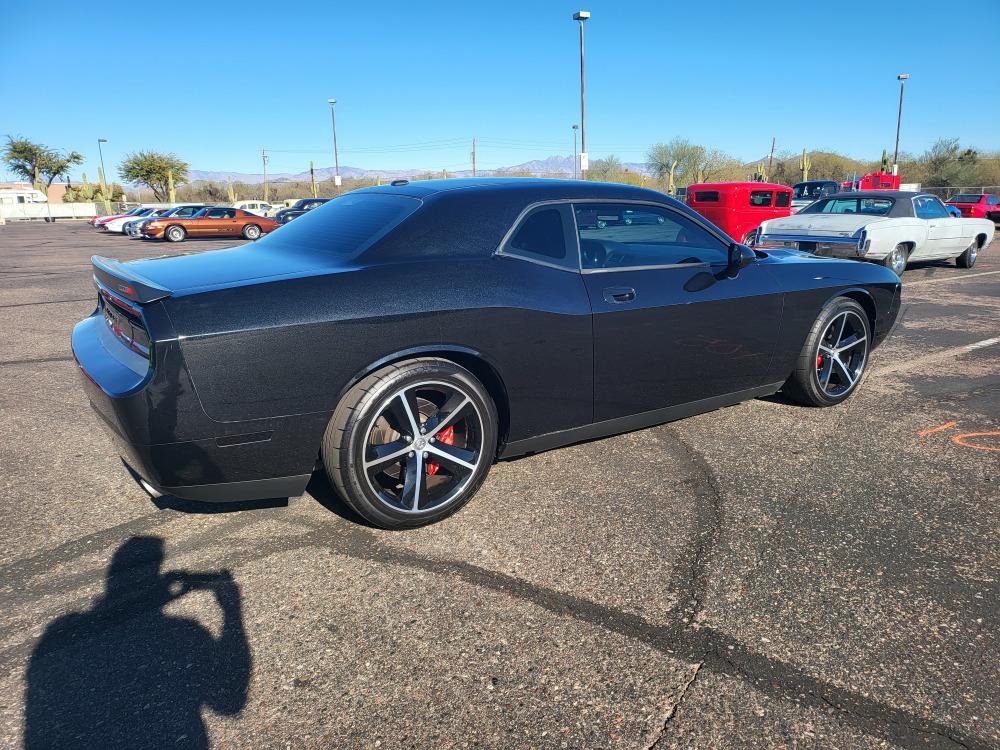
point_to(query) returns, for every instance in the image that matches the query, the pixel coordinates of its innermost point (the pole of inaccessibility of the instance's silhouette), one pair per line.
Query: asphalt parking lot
(762, 576)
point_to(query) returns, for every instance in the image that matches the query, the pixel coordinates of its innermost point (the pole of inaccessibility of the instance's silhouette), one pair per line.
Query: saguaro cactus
(671, 187)
(804, 163)
(885, 162)
(171, 193)
(229, 190)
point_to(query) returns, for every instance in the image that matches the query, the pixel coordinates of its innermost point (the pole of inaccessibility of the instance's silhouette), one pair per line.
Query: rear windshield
(345, 225)
(965, 198)
(813, 189)
(871, 206)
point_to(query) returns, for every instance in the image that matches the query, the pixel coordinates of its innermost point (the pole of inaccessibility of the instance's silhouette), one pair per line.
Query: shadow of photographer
(126, 674)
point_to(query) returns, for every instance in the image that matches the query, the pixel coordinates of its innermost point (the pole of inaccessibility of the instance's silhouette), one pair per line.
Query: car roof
(749, 184)
(876, 194)
(540, 188)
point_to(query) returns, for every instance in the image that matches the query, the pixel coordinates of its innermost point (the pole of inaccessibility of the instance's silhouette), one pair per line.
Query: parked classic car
(99, 221)
(977, 206)
(214, 221)
(285, 215)
(254, 206)
(118, 225)
(888, 227)
(740, 207)
(412, 333)
(810, 191)
(134, 227)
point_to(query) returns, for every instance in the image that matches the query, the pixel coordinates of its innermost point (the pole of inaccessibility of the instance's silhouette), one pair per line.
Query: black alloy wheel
(411, 443)
(833, 357)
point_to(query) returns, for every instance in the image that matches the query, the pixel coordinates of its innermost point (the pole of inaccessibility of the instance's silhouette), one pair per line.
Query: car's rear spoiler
(118, 278)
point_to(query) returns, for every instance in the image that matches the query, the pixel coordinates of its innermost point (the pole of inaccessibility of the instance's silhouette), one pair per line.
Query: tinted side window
(761, 198)
(992, 201)
(218, 213)
(706, 196)
(782, 199)
(617, 235)
(543, 235)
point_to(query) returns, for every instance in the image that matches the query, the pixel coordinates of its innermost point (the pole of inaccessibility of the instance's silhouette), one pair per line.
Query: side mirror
(740, 256)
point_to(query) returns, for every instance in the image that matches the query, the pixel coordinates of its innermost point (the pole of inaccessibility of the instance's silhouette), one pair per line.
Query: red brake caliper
(446, 436)
(819, 361)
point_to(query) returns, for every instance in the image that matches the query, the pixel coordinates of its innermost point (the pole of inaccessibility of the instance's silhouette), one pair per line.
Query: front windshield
(965, 198)
(867, 206)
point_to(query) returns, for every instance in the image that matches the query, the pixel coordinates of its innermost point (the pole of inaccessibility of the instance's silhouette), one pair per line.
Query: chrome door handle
(617, 295)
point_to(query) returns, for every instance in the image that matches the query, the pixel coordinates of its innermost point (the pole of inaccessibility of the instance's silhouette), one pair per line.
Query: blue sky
(214, 83)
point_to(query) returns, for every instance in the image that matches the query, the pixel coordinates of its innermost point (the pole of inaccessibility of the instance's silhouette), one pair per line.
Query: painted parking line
(936, 357)
(949, 278)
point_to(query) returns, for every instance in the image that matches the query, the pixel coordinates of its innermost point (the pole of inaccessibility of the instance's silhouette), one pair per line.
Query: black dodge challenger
(411, 334)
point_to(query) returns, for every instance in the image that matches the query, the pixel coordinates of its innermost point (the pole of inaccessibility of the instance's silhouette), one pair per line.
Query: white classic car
(887, 227)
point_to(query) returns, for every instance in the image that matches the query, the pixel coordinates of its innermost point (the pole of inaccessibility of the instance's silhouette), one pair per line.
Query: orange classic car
(210, 222)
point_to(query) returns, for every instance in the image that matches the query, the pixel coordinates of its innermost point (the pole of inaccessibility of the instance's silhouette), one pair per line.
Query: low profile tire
(175, 234)
(833, 357)
(411, 443)
(968, 258)
(895, 261)
(251, 232)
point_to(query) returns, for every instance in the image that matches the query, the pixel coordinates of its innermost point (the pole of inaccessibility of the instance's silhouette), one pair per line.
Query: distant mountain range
(550, 165)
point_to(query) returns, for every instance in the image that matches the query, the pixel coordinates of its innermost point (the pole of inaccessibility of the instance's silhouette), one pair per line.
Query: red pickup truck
(739, 208)
(976, 206)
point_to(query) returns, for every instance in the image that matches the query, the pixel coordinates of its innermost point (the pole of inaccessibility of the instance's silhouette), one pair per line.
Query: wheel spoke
(401, 413)
(449, 413)
(455, 459)
(415, 484)
(825, 371)
(840, 333)
(845, 370)
(380, 455)
(851, 343)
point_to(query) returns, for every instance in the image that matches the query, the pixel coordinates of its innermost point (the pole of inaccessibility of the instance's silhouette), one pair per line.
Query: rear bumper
(161, 432)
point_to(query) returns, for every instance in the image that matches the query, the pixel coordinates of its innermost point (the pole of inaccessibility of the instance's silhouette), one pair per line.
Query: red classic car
(739, 207)
(976, 206)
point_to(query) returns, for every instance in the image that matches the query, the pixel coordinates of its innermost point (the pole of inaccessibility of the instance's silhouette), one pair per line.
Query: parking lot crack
(665, 723)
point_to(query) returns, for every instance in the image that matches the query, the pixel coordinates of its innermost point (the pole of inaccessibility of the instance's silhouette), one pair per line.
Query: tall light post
(336, 156)
(582, 16)
(899, 119)
(575, 128)
(101, 152)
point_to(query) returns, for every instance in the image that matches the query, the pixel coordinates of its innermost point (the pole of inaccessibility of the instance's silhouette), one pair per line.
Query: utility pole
(582, 16)
(575, 128)
(473, 157)
(899, 119)
(770, 157)
(263, 158)
(336, 156)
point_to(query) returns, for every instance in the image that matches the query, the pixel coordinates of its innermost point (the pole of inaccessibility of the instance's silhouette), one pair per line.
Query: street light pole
(582, 16)
(336, 156)
(575, 128)
(899, 119)
(101, 152)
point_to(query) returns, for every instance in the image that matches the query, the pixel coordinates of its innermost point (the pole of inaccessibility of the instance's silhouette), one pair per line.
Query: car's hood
(826, 225)
(233, 266)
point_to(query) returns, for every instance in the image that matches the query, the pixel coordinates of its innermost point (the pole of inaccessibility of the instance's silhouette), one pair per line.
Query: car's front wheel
(968, 258)
(896, 260)
(834, 355)
(411, 443)
(175, 234)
